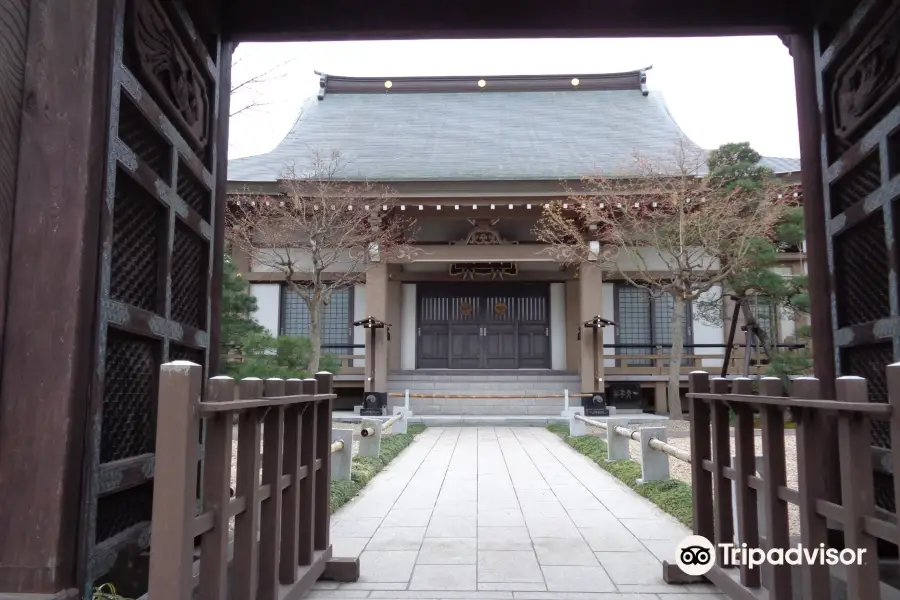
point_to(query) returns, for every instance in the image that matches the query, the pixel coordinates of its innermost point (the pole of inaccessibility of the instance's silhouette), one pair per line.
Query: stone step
(486, 389)
(485, 378)
(486, 406)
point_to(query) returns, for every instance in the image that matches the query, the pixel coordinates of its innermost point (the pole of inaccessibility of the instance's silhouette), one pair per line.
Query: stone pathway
(503, 513)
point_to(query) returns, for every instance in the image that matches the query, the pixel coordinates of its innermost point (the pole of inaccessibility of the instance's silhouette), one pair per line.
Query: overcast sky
(718, 89)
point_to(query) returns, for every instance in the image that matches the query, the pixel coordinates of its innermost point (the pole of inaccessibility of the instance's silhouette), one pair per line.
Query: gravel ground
(678, 433)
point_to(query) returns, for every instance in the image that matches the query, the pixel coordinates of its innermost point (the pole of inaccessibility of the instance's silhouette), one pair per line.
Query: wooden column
(815, 223)
(13, 29)
(377, 285)
(50, 311)
(218, 245)
(815, 216)
(590, 294)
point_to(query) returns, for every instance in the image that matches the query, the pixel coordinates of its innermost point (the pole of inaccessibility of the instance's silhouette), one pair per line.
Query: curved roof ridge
(342, 84)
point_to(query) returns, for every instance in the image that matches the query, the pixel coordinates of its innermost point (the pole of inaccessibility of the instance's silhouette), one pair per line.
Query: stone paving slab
(499, 513)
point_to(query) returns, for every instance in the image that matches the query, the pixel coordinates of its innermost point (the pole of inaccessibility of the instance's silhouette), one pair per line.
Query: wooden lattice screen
(155, 267)
(858, 68)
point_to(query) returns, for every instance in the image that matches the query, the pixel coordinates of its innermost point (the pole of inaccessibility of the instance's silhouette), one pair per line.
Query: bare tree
(321, 234)
(249, 86)
(667, 230)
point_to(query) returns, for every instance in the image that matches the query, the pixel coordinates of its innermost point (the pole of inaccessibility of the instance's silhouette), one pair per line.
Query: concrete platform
(500, 513)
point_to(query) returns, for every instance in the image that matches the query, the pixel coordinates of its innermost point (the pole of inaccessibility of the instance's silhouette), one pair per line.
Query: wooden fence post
(217, 492)
(811, 483)
(774, 478)
(893, 382)
(306, 551)
(270, 511)
(745, 466)
(701, 449)
(175, 480)
(721, 452)
(857, 488)
(324, 385)
(246, 524)
(290, 525)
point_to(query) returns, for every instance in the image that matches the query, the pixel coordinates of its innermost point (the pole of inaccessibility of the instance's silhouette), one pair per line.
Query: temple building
(483, 309)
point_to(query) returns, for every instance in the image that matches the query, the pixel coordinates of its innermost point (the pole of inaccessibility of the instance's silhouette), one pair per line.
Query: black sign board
(625, 394)
(595, 405)
(371, 412)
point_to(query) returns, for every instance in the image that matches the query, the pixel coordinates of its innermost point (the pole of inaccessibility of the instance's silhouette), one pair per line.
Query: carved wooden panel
(870, 78)
(157, 232)
(170, 71)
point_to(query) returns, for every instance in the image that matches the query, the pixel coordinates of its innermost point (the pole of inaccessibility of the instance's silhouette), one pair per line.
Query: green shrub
(365, 468)
(672, 496)
(286, 356)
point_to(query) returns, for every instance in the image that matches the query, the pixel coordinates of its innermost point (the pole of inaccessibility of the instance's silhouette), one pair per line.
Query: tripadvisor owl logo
(695, 555)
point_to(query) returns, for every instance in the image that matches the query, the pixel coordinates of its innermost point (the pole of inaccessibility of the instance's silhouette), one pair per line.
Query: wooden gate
(157, 258)
(857, 64)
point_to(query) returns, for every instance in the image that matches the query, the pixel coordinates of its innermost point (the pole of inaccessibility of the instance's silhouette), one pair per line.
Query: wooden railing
(712, 477)
(280, 545)
(654, 360)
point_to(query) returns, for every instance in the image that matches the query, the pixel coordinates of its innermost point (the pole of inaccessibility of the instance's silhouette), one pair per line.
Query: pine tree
(238, 305)
(737, 165)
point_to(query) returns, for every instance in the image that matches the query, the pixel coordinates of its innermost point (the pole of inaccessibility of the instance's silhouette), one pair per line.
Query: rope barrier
(654, 443)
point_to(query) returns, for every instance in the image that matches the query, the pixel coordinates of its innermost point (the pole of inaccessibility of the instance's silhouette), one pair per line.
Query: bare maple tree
(668, 230)
(323, 233)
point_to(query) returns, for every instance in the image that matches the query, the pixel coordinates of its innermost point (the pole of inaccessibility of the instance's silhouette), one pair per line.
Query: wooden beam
(50, 316)
(271, 20)
(481, 254)
(444, 277)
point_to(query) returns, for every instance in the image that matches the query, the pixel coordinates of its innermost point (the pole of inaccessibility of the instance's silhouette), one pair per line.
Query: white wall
(609, 312)
(408, 327)
(359, 313)
(265, 260)
(268, 305)
(558, 326)
(708, 334)
(652, 260)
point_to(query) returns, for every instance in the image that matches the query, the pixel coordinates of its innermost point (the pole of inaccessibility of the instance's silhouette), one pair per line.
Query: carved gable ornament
(869, 79)
(483, 234)
(165, 66)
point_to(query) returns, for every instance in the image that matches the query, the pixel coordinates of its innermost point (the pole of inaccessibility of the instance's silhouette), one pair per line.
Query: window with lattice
(336, 316)
(766, 313)
(645, 322)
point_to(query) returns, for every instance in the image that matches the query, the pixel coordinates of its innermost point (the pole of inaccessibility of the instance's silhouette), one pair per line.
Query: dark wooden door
(483, 326)
(500, 343)
(533, 318)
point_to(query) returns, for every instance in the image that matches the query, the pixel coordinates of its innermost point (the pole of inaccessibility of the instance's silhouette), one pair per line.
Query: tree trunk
(315, 334)
(674, 391)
